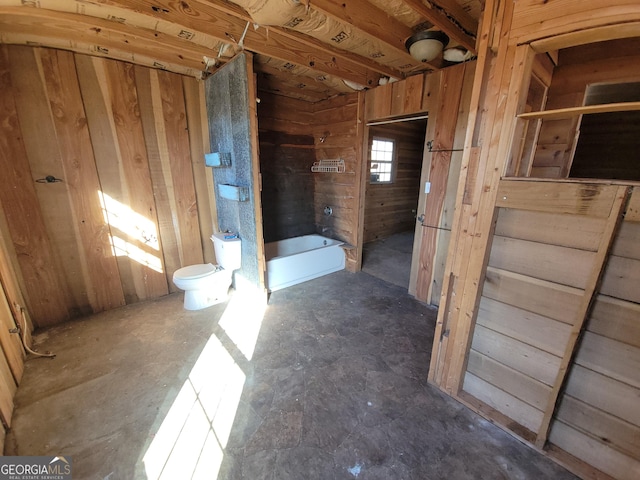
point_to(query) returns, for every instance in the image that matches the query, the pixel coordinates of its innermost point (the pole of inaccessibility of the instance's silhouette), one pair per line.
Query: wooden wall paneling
(47, 300)
(41, 144)
(177, 141)
(528, 327)
(522, 357)
(558, 138)
(8, 390)
(580, 445)
(451, 192)
(534, 19)
(604, 393)
(100, 268)
(523, 413)
(337, 125)
(109, 93)
(445, 129)
(621, 434)
(287, 152)
(10, 342)
(513, 258)
(378, 102)
(616, 319)
(153, 125)
(202, 175)
(287, 185)
(610, 357)
(521, 386)
(593, 280)
(542, 297)
(354, 256)
(282, 114)
(407, 95)
(293, 113)
(567, 266)
(432, 87)
(430, 103)
(574, 198)
(171, 175)
(564, 230)
(391, 208)
(467, 255)
(12, 282)
(621, 279)
(596, 406)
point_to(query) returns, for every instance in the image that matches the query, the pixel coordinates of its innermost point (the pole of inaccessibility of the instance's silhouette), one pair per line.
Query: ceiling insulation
(294, 15)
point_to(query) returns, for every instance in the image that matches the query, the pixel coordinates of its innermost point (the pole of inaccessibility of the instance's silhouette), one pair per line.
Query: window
(382, 157)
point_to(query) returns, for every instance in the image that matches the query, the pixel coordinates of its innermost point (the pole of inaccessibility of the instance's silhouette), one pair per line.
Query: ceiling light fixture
(426, 45)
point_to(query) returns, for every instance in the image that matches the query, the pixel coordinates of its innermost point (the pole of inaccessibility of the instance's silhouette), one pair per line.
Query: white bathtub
(296, 260)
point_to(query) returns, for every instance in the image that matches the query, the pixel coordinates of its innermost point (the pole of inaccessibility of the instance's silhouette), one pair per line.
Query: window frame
(393, 161)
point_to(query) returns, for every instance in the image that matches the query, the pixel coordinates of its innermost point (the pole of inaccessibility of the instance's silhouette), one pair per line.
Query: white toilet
(206, 284)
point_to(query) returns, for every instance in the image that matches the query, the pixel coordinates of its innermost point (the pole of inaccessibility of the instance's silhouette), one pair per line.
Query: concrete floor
(333, 388)
(389, 258)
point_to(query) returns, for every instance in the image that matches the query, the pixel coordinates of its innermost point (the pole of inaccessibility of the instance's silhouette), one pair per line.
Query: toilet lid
(196, 271)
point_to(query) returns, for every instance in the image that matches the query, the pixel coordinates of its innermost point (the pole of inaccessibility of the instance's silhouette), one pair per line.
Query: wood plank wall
(445, 96)
(333, 127)
(124, 216)
(287, 152)
(614, 61)
(598, 419)
(338, 134)
(391, 207)
(535, 294)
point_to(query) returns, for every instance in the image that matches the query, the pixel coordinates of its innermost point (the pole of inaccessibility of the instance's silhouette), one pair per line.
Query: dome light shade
(427, 45)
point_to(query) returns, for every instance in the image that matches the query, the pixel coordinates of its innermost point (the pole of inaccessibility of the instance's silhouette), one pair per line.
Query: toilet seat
(193, 272)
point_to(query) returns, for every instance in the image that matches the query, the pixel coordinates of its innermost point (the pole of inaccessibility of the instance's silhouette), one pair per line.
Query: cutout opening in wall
(608, 143)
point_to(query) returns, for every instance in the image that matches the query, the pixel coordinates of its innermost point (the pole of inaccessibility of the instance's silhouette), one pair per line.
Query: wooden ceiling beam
(213, 18)
(67, 32)
(370, 20)
(440, 19)
(454, 9)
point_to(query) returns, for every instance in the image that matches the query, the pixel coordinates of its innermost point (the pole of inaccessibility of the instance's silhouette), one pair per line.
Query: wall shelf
(329, 166)
(561, 113)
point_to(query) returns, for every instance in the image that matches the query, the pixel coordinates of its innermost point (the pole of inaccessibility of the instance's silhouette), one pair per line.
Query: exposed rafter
(106, 38)
(214, 18)
(195, 36)
(375, 23)
(438, 17)
(454, 10)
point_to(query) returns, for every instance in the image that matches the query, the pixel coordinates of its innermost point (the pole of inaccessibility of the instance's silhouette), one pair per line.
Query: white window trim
(393, 161)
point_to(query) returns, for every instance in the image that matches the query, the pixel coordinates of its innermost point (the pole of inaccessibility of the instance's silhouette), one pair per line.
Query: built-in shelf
(561, 113)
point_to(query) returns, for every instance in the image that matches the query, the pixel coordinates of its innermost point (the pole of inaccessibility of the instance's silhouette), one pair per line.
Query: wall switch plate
(427, 187)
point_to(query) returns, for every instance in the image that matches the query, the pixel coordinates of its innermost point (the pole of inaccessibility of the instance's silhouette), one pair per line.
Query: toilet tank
(228, 251)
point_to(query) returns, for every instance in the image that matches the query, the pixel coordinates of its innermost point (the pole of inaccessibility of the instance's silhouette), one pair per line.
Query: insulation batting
(295, 16)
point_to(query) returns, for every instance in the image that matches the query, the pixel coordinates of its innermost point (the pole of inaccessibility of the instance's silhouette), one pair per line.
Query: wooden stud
(439, 18)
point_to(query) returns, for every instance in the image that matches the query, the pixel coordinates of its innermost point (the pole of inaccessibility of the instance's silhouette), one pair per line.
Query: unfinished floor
(390, 258)
(334, 388)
